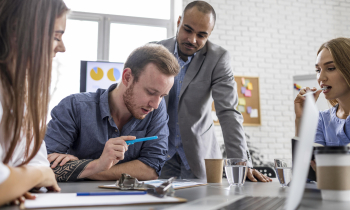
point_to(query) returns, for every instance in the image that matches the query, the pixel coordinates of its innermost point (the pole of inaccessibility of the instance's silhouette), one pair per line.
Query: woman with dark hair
(30, 36)
(333, 75)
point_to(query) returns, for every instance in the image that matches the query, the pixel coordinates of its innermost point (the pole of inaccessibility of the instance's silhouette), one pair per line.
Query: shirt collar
(104, 106)
(105, 111)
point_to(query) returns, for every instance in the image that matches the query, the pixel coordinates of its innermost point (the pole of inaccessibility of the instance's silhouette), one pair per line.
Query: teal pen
(141, 139)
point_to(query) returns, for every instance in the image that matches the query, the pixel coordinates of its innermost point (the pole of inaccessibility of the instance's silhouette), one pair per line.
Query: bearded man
(205, 74)
(87, 135)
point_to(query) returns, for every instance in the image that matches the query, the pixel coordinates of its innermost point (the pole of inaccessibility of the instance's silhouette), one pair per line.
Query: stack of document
(54, 200)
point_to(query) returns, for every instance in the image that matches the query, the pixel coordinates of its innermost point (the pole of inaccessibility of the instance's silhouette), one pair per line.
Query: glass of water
(283, 169)
(236, 171)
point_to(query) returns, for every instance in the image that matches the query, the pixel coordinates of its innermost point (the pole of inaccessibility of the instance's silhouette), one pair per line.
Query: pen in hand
(141, 139)
(312, 92)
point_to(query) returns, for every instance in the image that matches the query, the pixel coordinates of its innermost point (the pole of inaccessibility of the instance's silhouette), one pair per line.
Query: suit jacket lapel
(193, 69)
(170, 45)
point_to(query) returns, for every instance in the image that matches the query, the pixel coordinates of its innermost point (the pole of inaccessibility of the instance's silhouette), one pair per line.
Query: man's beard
(128, 98)
(179, 51)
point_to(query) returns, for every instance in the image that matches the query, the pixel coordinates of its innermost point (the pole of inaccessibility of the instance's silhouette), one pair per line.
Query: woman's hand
(24, 178)
(48, 179)
(299, 100)
(313, 165)
(21, 199)
(299, 105)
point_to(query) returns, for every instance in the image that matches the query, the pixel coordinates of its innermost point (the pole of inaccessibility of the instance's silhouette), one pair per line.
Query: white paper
(254, 113)
(49, 200)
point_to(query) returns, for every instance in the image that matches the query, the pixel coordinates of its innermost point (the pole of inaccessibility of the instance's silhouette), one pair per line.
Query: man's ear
(127, 77)
(179, 21)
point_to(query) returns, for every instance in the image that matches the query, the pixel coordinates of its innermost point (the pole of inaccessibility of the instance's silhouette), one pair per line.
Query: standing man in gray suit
(205, 72)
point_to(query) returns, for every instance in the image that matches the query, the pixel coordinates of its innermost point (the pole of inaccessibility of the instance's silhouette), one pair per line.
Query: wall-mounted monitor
(99, 74)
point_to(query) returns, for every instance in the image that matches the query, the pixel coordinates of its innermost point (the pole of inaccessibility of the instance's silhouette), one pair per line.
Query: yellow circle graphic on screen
(96, 73)
(113, 74)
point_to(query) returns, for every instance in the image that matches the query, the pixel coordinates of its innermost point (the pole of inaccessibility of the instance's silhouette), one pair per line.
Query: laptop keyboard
(256, 203)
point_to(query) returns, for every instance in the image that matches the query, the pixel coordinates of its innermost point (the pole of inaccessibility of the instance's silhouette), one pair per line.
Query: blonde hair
(340, 51)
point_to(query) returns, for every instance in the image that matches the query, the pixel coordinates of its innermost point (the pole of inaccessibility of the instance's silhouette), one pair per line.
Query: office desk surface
(311, 199)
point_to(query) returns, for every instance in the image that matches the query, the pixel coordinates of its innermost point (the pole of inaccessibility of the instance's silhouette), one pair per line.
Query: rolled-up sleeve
(4, 170)
(63, 128)
(40, 159)
(153, 153)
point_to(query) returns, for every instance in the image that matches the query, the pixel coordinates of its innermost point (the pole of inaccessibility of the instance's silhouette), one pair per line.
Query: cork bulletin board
(248, 100)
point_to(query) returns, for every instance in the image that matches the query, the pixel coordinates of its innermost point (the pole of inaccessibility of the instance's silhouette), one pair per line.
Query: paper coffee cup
(333, 170)
(214, 169)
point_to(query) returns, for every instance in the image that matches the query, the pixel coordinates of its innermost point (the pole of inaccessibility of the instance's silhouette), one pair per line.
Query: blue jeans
(175, 167)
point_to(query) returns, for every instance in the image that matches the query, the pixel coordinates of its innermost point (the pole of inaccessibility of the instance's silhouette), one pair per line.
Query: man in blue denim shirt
(87, 133)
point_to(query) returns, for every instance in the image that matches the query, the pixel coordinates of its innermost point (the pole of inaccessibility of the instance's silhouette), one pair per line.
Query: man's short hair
(152, 53)
(202, 6)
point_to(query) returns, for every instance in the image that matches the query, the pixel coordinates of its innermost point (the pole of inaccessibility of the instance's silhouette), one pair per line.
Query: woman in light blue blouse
(333, 75)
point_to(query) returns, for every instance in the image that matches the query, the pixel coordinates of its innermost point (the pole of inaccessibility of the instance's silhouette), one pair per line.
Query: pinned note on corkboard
(248, 101)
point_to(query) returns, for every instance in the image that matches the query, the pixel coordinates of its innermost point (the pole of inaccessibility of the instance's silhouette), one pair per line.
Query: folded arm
(91, 169)
(105, 167)
(71, 171)
(134, 168)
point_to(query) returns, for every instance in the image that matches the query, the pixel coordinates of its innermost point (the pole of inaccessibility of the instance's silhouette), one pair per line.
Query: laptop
(312, 174)
(301, 165)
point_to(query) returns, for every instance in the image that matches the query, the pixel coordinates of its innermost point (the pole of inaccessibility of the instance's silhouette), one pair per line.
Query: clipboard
(176, 185)
(58, 200)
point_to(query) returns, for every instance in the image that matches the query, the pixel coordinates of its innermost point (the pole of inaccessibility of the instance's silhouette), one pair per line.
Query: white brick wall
(276, 39)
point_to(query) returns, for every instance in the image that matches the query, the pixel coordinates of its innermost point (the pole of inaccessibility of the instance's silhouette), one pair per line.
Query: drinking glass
(236, 171)
(283, 169)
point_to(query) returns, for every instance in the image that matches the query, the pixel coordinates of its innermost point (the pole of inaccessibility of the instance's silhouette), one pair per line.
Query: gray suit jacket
(209, 75)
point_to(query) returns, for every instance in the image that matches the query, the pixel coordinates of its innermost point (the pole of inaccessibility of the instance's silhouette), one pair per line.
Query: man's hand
(60, 158)
(252, 174)
(299, 104)
(113, 152)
